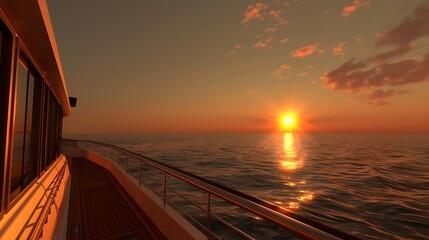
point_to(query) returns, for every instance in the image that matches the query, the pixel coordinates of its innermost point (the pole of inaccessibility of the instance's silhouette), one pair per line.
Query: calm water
(372, 186)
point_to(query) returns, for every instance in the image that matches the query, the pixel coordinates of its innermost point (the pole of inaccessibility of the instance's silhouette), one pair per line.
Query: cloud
(338, 50)
(303, 74)
(280, 71)
(359, 40)
(284, 40)
(263, 44)
(400, 50)
(254, 12)
(388, 68)
(304, 51)
(276, 14)
(410, 28)
(356, 76)
(348, 10)
(235, 48)
(381, 97)
(270, 29)
(405, 33)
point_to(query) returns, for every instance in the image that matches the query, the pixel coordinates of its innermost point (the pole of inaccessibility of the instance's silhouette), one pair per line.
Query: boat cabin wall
(31, 100)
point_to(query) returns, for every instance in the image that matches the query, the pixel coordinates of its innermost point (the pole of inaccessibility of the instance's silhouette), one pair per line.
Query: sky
(236, 66)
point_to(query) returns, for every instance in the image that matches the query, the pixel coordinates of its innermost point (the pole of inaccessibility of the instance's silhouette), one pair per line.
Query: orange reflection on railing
(291, 159)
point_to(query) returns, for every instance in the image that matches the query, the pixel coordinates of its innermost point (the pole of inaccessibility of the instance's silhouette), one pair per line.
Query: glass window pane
(18, 143)
(29, 158)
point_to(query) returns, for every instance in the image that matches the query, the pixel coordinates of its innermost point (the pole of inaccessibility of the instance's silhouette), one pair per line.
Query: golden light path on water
(292, 159)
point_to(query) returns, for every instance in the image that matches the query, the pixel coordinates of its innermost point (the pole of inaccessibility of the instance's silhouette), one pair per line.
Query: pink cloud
(276, 14)
(263, 44)
(270, 29)
(284, 40)
(348, 10)
(359, 40)
(304, 51)
(280, 71)
(235, 48)
(338, 50)
(254, 12)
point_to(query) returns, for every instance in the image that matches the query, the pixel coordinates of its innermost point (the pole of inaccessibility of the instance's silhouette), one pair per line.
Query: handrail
(37, 230)
(37, 226)
(289, 220)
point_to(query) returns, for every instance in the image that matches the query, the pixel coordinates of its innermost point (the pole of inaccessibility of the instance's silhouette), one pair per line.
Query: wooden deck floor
(101, 209)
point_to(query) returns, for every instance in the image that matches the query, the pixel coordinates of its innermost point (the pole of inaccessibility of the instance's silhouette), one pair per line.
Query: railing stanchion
(165, 188)
(208, 216)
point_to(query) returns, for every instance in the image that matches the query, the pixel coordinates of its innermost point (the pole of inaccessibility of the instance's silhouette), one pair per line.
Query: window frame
(7, 65)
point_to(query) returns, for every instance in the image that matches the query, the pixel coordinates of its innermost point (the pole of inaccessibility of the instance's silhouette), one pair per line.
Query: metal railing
(165, 180)
(44, 203)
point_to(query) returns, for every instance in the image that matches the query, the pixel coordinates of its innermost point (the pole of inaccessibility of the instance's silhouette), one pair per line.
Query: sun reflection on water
(292, 159)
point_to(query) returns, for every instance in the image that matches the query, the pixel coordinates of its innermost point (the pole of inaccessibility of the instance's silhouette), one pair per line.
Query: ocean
(373, 186)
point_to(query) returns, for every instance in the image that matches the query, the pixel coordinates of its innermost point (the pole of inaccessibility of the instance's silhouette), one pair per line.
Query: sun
(288, 122)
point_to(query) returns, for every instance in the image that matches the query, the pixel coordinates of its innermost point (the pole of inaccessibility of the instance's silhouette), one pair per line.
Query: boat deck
(101, 209)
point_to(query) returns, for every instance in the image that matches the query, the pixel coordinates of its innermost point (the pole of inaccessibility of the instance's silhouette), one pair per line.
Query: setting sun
(288, 123)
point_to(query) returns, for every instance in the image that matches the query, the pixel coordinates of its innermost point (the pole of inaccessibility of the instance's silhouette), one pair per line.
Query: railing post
(165, 188)
(208, 216)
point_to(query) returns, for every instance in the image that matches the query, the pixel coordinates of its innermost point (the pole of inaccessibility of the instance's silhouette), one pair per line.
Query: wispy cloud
(256, 11)
(348, 10)
(387, 69)
(303, 74)
(304, 51)
(405, 33)
(284, 40)
(381, 97)
(270, 29)
(280, 71)
(263, 44)
(277, 15)
(338, 50)
(359, 40)
(235, 48)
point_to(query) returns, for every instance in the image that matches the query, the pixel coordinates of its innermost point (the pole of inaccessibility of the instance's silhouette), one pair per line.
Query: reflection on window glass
(18, 144)
(23, 163)
(29, 164)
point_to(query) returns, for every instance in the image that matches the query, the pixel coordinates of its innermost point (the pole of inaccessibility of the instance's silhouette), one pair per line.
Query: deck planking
(102, 209)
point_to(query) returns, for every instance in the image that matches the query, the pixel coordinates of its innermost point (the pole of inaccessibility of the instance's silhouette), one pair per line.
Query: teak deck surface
(101, 209)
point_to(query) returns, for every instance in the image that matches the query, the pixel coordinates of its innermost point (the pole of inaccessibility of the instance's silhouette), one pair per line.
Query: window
(30, 121)
(24, 161)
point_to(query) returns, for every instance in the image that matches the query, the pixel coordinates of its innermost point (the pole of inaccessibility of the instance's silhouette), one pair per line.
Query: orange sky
(235, 66)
